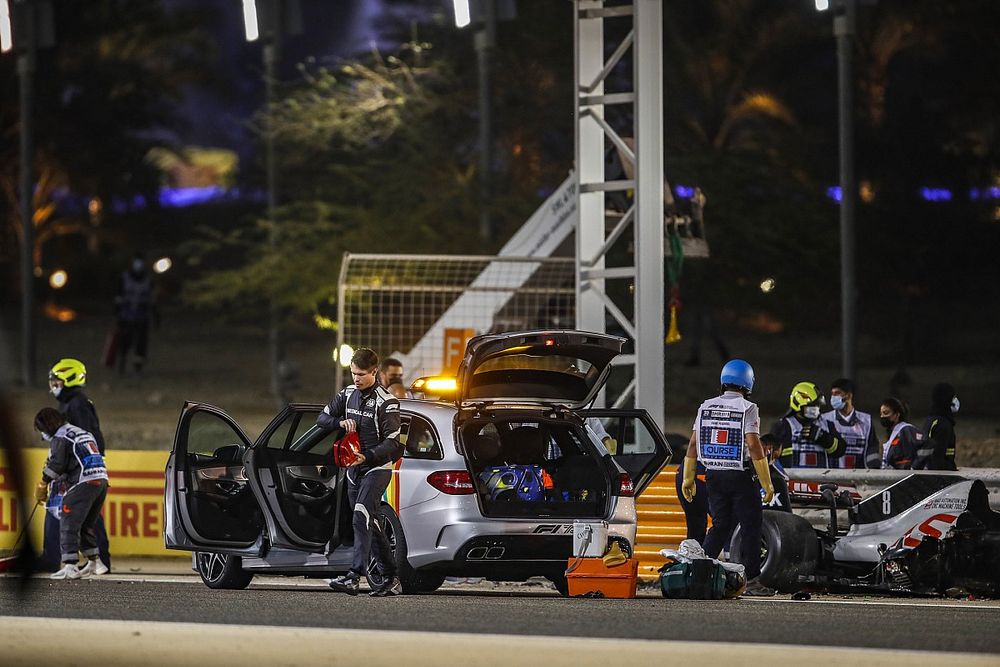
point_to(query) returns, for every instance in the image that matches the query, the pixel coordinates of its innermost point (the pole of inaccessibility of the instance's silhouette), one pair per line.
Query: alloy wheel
(212, 566)
(375, 578)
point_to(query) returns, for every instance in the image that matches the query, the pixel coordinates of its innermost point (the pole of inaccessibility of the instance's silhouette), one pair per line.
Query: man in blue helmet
(726, 440)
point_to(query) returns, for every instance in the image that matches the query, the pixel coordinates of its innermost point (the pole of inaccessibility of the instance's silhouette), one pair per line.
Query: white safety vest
(855, 430)
(721, 428)
(808, 454)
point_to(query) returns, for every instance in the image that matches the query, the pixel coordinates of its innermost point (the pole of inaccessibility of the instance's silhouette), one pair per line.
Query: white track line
(28, 642)
(319, 584)
(928, 604)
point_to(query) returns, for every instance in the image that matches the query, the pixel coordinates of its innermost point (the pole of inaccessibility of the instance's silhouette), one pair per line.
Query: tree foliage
(370, 160)
(101, 94)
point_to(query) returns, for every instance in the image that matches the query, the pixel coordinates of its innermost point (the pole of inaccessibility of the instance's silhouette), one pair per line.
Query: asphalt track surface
(923, 625)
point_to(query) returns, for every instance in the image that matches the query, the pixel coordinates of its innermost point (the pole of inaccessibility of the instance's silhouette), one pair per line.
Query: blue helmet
(738, 373)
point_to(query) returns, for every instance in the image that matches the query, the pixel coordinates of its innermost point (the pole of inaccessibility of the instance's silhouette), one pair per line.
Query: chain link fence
(423, 308)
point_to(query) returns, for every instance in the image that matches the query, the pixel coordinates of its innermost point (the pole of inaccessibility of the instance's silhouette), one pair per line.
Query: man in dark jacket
(134, 309)
(940, 427)
(67, 378)
(805, 437)
(373, 413)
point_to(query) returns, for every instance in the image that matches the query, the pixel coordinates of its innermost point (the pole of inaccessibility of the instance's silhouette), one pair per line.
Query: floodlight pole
(26, 74)
(844, 29)
(272, 56)
(485, 41)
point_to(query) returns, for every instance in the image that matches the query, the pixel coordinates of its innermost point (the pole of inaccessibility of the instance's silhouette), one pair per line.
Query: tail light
(452, 482)
(627, 490)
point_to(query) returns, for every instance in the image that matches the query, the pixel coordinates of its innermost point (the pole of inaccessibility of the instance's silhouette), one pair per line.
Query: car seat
(484, 451)
(525, 445)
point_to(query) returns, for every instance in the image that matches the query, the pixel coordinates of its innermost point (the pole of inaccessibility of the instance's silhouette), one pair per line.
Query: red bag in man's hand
(347, 450)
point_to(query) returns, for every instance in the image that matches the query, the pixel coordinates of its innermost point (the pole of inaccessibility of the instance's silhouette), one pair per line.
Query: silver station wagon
(490, 484)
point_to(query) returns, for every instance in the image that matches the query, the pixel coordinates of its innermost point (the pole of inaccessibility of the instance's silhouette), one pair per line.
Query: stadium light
(6, 31)
(58, 279)
(250, 27)
(822, 5)
(463, 14)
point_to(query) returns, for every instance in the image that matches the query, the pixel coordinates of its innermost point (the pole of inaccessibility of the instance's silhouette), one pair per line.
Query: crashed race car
(924, 535)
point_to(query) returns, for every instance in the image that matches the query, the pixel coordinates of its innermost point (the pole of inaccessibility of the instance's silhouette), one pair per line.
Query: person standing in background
(805, 437)
(861, 448)
(133, 310)
(390, 375)
(905, 444)
(940, 427)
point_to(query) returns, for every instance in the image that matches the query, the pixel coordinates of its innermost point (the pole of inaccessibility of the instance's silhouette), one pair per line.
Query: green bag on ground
(701, 579)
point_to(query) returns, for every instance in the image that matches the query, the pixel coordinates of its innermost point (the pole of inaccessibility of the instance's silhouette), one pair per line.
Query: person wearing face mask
(861, 446)
(390, 375)
(75, 460)
(134, 309)
(67, 379)
(905, 444)
(940, 427)
(805, 437)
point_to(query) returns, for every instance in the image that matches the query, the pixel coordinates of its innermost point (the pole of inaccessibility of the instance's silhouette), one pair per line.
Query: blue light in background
(835, 193)
(684, 191)
(180, 197)
(935, 194)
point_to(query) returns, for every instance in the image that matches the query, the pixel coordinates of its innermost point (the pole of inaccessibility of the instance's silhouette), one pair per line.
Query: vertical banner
(454, 348)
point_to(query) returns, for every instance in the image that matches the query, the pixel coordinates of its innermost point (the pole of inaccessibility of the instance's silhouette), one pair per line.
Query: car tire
(222, 571)
(790, 549)
(412, 581)
(422, 582)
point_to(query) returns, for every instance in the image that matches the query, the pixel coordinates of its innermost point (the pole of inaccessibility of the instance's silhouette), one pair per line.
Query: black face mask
(886, 422)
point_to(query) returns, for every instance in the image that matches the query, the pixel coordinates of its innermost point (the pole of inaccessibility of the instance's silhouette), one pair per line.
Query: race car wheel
(789, 548)
(222, 571)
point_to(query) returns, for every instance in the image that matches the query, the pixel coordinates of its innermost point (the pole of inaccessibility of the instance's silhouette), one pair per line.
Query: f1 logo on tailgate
(553, 529)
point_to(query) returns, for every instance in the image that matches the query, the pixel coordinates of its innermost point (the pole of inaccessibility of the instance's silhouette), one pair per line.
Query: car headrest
(484, 449)
(525, 445)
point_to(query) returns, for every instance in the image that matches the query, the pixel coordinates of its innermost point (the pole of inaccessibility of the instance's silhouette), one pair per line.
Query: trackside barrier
(661, 522)
(870, 481)
(133, 511)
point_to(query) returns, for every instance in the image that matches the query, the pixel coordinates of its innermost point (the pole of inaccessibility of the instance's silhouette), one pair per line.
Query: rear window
(527, 376)
(549, 363)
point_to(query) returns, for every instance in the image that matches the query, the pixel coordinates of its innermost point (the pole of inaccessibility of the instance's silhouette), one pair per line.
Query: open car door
(208, 502)
(641, 451)
(292, 473)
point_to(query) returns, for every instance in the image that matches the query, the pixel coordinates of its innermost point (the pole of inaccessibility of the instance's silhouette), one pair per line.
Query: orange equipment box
(591, 576)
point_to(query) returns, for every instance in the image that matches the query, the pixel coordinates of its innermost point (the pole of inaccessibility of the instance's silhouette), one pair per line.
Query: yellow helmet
(71, 371)
(803, 394)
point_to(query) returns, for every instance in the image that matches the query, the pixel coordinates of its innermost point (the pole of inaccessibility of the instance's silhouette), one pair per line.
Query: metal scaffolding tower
(644, 214)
